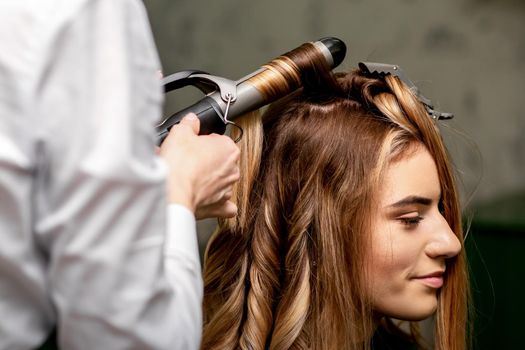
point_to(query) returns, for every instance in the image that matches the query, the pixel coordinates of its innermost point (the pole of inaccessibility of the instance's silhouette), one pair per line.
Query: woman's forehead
(413, 175)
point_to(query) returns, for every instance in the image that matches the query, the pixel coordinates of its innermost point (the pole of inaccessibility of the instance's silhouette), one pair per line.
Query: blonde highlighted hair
(289, 271)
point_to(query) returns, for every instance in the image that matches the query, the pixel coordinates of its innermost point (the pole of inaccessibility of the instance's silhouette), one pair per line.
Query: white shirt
(86, 241)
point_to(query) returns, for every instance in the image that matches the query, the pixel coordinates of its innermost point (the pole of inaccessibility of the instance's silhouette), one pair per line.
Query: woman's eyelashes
(410, 221)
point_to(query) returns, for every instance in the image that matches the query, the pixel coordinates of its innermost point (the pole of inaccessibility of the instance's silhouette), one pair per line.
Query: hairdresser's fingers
(227, 210)
(222, 178)
(217, 197)
(179, 133)
(191, 121)
(227, 180)
(224, 210)
(227, 195)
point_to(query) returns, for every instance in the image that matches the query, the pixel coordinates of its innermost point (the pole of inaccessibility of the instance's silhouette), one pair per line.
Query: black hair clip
(382, 69)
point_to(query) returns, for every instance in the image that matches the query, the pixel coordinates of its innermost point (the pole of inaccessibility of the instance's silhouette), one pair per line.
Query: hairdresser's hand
(202, 169)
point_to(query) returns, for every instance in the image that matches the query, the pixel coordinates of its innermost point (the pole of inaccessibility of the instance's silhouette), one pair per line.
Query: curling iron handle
(206, 111)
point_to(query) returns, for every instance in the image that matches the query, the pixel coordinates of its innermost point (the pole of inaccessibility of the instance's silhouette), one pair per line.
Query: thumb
(192, 121)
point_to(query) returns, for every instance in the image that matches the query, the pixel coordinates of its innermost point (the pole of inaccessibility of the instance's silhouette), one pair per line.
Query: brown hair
(289, 272)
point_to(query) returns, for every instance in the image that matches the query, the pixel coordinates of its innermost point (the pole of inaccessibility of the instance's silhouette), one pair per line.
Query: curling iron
(226, 99)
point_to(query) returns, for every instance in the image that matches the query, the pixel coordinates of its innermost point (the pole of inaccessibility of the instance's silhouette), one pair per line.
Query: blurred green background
(468, 56)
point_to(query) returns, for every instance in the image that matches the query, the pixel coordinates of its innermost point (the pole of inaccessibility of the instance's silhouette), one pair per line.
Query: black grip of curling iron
(208, 113)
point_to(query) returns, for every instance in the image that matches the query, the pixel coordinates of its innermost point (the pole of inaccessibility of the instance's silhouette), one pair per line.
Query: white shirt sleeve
(182, 264)
(88, 242)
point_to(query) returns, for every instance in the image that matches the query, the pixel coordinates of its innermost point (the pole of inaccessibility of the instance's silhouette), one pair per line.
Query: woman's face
(411, 240)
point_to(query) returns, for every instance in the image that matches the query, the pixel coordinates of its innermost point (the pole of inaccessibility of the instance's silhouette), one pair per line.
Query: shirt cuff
(181, 238)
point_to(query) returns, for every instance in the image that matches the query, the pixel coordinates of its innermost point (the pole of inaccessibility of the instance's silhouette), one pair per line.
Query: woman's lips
(433, 280)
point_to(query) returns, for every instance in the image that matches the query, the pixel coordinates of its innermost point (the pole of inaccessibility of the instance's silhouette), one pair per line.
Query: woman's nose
(444, 242)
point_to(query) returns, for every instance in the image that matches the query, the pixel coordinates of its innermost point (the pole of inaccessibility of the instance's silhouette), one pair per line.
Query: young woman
(348, 221)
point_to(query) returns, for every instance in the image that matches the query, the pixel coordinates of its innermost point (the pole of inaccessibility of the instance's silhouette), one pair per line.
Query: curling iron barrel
(226, 99)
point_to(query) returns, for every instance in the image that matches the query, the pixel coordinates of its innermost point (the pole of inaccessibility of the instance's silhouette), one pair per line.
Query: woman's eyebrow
(410, 200)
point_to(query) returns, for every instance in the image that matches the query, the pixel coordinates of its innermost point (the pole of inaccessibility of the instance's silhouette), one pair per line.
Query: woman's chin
(415, 310)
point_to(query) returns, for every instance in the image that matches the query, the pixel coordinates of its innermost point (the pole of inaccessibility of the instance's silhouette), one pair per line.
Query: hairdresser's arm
(201, 172)
(101, 208)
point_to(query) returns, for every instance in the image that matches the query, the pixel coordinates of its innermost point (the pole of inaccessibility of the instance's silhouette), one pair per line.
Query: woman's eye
(411, 221)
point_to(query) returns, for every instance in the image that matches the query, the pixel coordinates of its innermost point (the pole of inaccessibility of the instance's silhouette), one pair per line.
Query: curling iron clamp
(226, 100)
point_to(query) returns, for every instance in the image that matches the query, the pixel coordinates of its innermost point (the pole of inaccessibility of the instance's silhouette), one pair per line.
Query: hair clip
(382, 69)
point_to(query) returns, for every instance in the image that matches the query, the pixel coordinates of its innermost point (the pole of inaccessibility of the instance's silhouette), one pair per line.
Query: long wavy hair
(289, 272)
